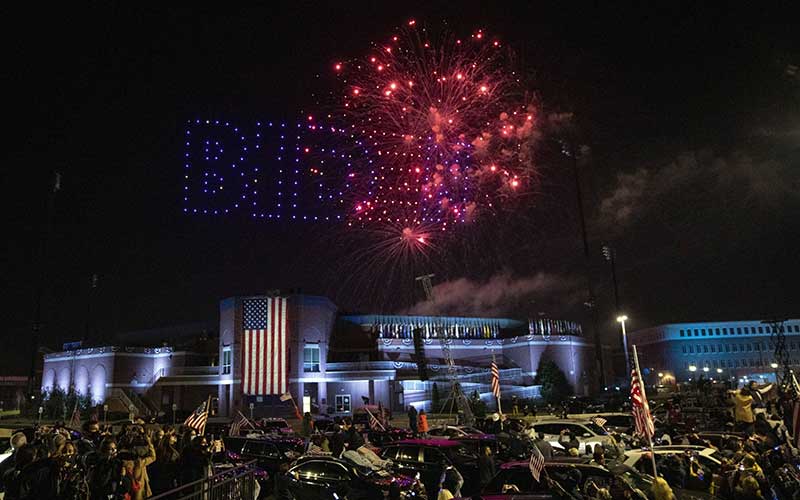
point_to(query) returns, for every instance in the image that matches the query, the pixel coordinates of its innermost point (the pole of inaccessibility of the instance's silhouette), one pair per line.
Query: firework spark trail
(442, 129)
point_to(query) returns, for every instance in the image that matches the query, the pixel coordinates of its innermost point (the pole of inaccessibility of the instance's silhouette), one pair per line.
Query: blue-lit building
(729, 350)
(335, 359)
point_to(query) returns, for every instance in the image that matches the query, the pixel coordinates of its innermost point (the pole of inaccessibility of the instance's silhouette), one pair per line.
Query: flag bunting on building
(537, 463)
(198, 419)
(264, 346)
(640, 409)
(495, 380)
(239, 422)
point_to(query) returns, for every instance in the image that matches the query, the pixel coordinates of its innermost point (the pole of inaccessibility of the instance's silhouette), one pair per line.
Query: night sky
(690, 116)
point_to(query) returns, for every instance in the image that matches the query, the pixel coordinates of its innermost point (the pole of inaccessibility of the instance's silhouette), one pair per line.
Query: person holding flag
(640, 408)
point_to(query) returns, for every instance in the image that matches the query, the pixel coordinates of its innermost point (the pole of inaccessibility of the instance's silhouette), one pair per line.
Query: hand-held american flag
(264, 346)
(537, 463)
(239, 422)
(198, 419)
(641, 409)
(496, 385)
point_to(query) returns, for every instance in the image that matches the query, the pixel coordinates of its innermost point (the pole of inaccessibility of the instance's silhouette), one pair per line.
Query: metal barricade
(236, 483)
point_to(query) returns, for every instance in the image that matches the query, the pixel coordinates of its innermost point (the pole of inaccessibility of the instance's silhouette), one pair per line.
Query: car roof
(569, 461)
(563, 421)
(441, 443)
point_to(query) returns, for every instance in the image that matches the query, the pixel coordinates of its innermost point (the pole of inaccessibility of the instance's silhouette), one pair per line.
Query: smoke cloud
(738, 180)
(501, 294)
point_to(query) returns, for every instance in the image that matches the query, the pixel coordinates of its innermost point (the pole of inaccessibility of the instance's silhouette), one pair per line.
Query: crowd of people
(756, 451)
(139, 461)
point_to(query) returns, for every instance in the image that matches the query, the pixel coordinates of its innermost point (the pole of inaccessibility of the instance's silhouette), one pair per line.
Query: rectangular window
(684, 349)
(727, 348)
(749, 347)
(712, 348)
(705, 348)
(716, 331)
(691, 349)
(739, 330)
(747, 329)
(760, 329)
(683, 333)
(227, 356)
(311, 358)
(757, 347)
(735, 349)
(724, 331)
(696, 333)
(342, 402)
(703, 332)
(796, 328)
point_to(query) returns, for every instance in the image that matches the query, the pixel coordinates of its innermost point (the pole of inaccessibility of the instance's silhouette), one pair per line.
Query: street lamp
(622, 319)
(705, 369)
(719, 370)
(773, 365)
(692, 368)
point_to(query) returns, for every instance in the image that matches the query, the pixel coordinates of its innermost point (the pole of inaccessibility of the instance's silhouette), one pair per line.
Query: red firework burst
(442, 129)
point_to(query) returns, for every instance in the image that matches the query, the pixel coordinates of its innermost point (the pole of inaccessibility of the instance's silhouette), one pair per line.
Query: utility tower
(456, 398)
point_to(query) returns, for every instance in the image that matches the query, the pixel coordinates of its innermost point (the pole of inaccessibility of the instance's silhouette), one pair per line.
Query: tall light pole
(622, 319)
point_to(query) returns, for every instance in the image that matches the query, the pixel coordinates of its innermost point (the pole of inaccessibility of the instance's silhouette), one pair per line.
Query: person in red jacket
(423, 423)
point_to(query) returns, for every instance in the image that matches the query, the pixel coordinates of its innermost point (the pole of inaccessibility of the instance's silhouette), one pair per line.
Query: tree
(555, 386)
(436, 399)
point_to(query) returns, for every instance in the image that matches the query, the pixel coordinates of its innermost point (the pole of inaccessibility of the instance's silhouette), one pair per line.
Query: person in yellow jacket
(136, 470)
(743, 411)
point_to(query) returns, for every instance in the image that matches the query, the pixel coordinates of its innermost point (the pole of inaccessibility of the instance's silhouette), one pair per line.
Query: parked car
(430, 458)
(708, 458)
(454, 431)
(586, 431)
(390, 435)
(323, 478)
(570, 474)
(272, 454)
(275, 425)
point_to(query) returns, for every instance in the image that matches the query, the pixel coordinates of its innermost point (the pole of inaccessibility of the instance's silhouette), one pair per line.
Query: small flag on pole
(237, 424)
(495, 380)
(537, 463)
(198, 419)
(640, 409)
(75, 419)
(599, 421)
(286, 397)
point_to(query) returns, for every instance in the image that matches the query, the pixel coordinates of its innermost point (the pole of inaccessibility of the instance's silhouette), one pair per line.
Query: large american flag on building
(264, 346)
(640, 408)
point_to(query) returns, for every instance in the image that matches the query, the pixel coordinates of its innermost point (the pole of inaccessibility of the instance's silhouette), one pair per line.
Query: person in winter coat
(164, 472)
(486, 466)
(307, 428)
(412, 419)
(743, 411)
(423, 423)
(106, 477)
(17, 441)
(195, 462)
(136, 469)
